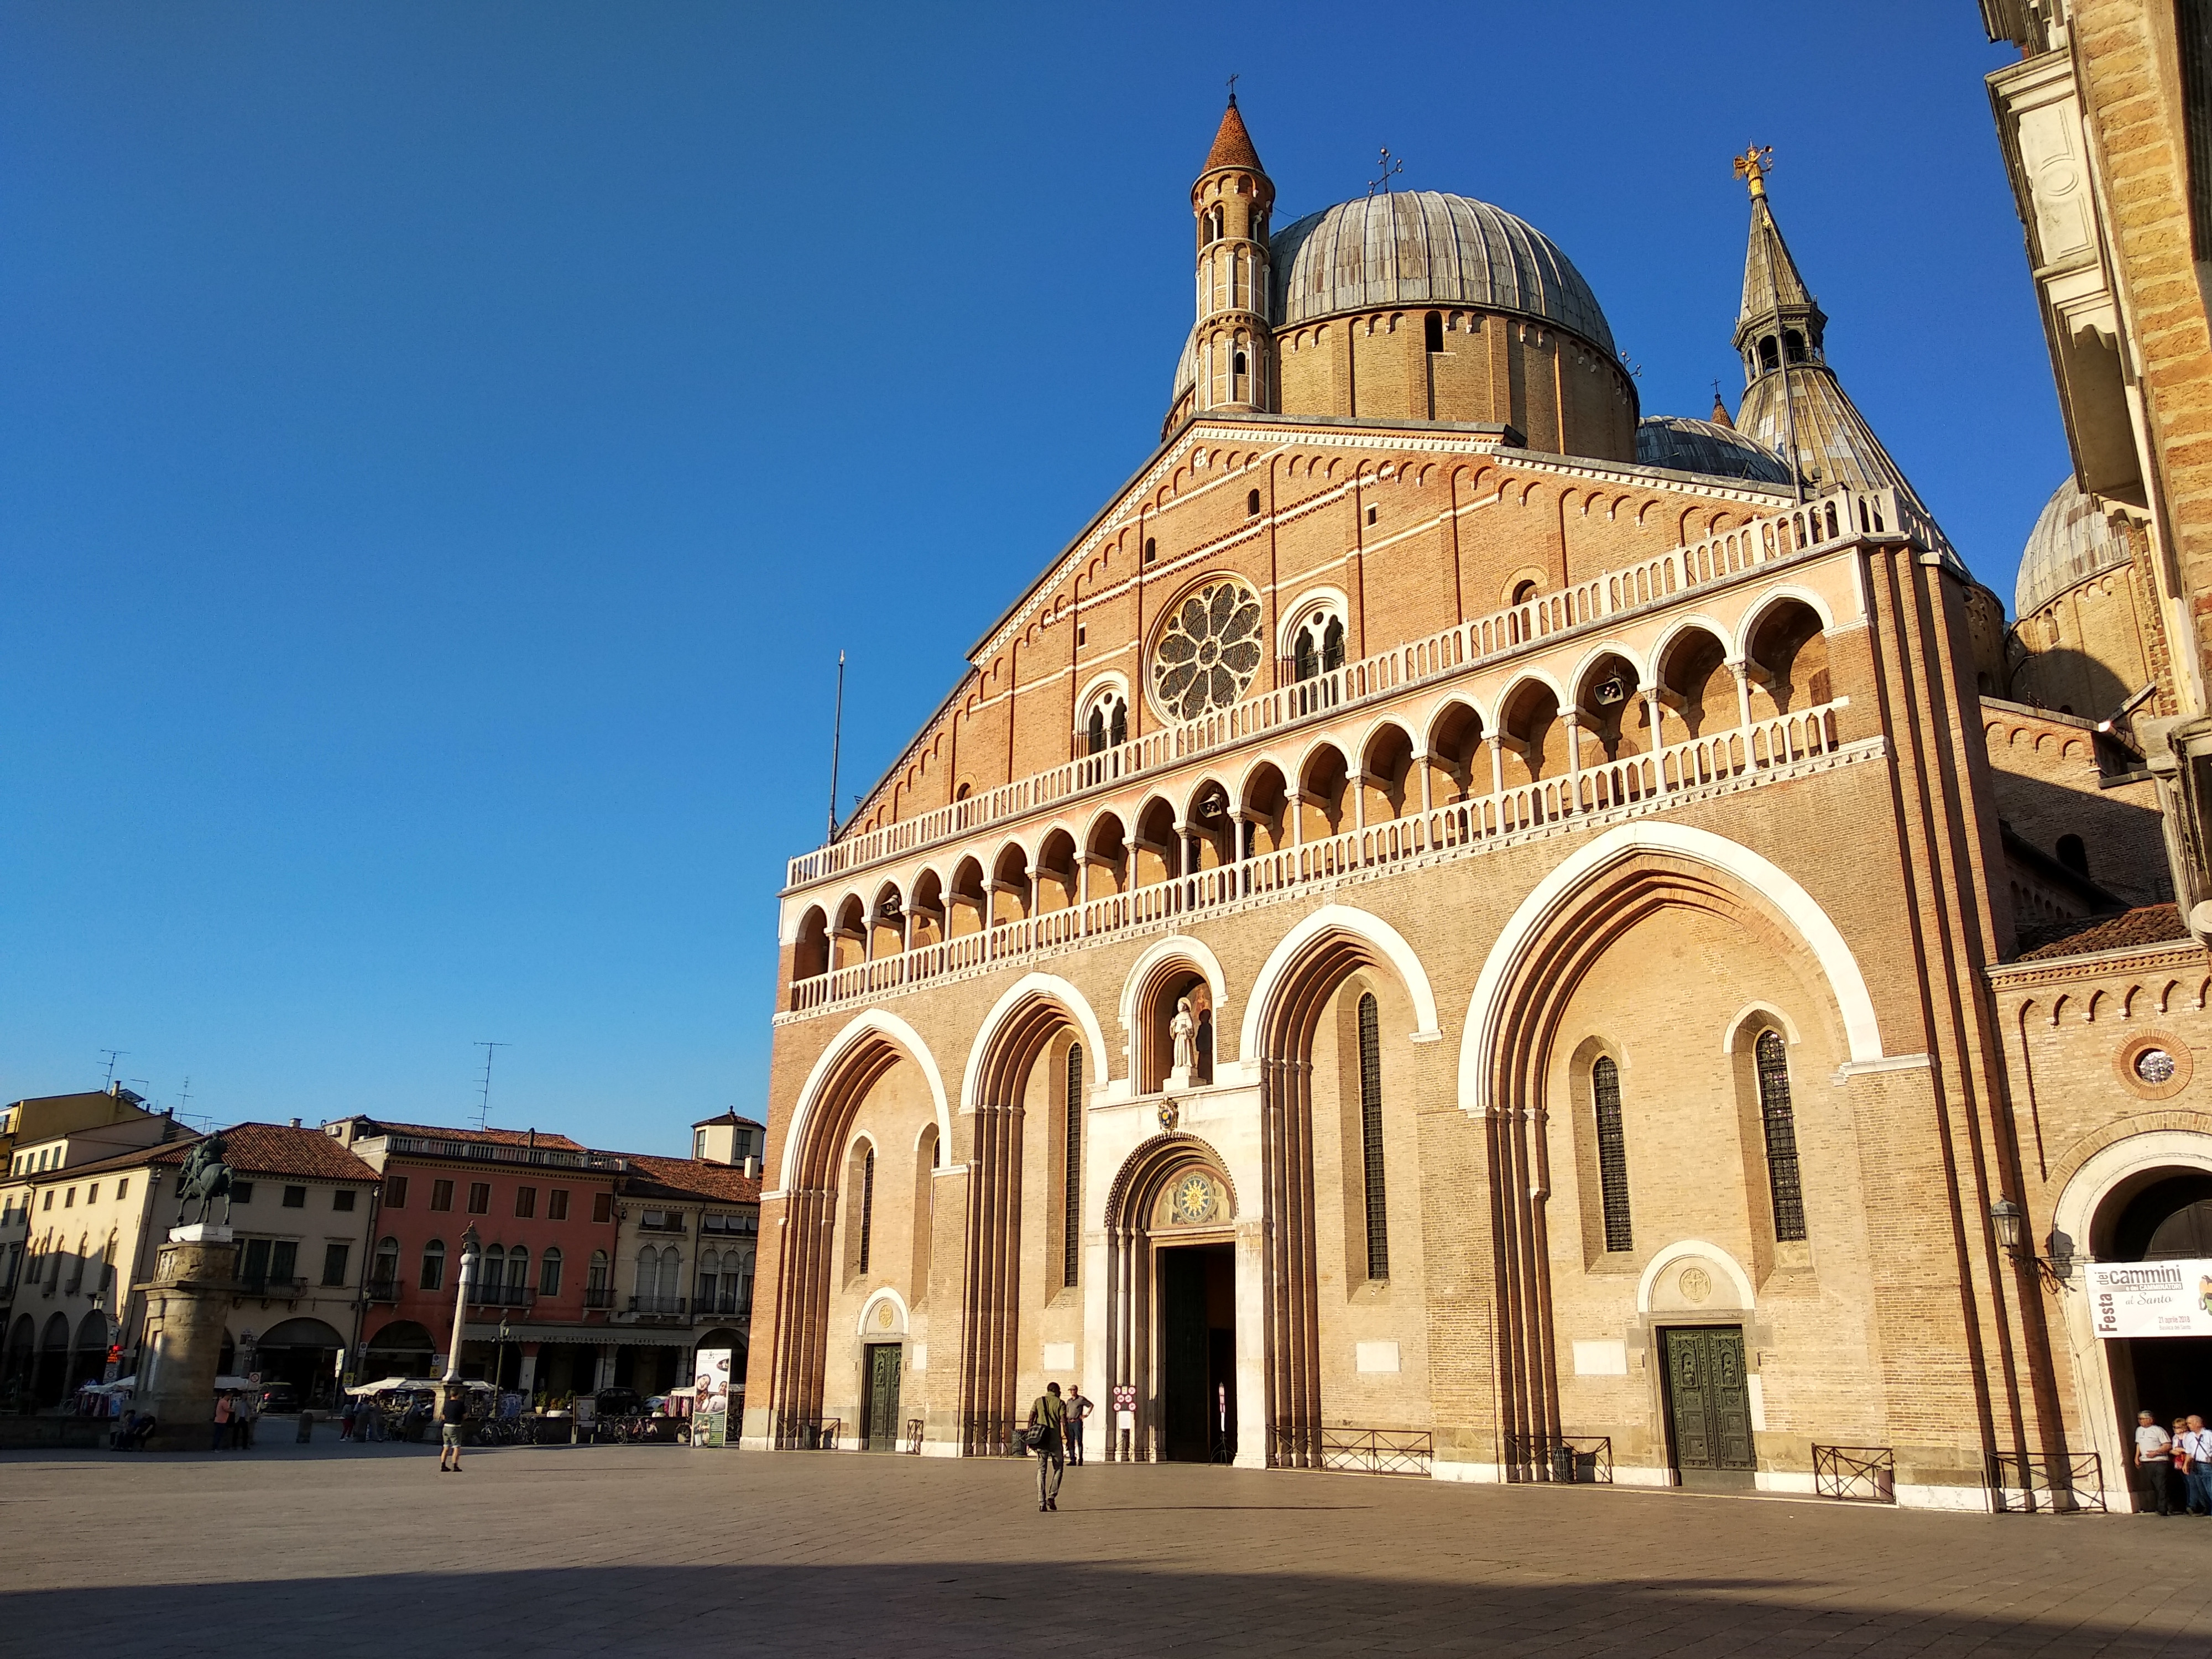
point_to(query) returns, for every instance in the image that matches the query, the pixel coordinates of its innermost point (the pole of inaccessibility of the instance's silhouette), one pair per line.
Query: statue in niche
(1182, 1030)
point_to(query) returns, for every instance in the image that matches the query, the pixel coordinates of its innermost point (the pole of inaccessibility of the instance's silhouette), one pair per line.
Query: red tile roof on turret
(1232, 145)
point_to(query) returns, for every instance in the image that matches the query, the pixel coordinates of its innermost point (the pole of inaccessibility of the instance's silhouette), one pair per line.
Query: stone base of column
(187, 1307)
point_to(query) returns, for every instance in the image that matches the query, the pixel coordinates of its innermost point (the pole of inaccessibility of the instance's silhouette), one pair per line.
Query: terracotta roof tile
(278, 1149)
(2149, 924)
(498, 1136)
(1232, 145)
(720, 1183)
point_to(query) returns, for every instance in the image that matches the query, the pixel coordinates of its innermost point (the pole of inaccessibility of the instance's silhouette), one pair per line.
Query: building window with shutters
(1612, 1154)
(434, 1265)
(1780, 1123)
(1370, 1137)
(549, 1273)
(1070, 1246)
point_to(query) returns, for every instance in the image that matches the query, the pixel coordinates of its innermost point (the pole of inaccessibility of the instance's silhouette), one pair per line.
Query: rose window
(2155, 1066)
(1208, 650)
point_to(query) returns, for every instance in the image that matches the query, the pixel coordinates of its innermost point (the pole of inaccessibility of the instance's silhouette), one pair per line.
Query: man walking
(223, 1410)
(1078, 1409)
(1049, 1413)
(2155, 1460)
(452, 1411)
(2197, 1445)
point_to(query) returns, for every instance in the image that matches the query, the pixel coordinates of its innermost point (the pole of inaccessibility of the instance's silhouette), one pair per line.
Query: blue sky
(443, 448)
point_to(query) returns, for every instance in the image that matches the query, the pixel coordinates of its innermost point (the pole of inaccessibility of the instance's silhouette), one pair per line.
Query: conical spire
(1232, 145)
(1770, 282)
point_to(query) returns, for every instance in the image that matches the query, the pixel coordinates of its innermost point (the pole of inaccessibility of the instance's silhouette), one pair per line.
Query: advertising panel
(2150, 1298)
(710, 1400)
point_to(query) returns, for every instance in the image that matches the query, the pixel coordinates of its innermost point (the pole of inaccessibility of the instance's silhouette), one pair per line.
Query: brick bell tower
(1235, 343)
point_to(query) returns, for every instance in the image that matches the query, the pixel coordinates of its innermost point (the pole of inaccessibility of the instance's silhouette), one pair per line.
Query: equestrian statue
(205, 1176)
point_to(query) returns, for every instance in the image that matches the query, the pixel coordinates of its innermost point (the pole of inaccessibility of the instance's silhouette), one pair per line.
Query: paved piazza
(661, 1550)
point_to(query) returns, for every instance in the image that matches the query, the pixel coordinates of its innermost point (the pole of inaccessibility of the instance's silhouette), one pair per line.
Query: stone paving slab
(338, 1551)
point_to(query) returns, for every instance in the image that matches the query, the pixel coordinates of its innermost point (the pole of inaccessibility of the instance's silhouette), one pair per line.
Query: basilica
(1460, 927)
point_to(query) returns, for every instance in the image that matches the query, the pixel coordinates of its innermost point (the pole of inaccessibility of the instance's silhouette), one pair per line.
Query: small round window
(1208, 651)
(2155, 1066)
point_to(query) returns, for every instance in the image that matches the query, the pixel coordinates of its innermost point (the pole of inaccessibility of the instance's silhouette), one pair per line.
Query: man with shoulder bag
(1048, 1444)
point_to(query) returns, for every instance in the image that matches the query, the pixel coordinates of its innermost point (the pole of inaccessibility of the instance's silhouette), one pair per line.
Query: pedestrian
(1079, 1408)
(450, 1415)
(2195, 1445)
(2154, 1459)
(347, 1417)
(249, 1413)
(1049, 1413)
(223, 1410)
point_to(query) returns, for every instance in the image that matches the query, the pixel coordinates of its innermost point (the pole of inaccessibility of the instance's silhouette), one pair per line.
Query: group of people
(2175, 1464)
(236, 1411)
(1055, 1438)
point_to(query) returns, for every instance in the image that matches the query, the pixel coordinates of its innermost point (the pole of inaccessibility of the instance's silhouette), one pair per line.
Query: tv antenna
(184, 1097)
(112, 1054)
(483, 1096)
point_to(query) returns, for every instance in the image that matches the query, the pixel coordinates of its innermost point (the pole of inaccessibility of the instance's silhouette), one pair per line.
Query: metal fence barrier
(1857, 1474)
(2026, 1482)
(913, 1437)
(1560, 1459)
(808, 1434)
(1353, 1450)
(991, 1436)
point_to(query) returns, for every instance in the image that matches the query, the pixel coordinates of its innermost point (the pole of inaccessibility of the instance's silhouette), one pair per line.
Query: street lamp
(2006, 1218)
(471, 1253)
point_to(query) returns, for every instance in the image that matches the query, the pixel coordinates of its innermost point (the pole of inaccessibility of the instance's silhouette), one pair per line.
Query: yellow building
(1459, 926)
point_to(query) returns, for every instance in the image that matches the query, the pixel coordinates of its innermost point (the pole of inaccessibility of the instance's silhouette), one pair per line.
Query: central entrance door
(880, 1432)
(1708, 1406)
(1197, 1352)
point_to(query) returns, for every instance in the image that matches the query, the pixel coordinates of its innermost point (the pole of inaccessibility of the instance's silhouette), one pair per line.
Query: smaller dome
(2071, 542)
(1681, 444)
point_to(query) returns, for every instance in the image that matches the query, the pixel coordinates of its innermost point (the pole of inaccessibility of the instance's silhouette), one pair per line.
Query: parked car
(280, 1399)
(617, 1402)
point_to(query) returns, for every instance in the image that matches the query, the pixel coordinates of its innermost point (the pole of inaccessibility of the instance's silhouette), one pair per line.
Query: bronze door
(881, 1430)
(1708, 1404)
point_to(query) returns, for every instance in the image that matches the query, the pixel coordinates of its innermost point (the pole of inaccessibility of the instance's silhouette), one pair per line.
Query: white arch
(1486, 1010)
(1529, 677)
(867, 1312)
(1466, 700)
(1697, 622)
(1405, 725)
(871, 1021)
(1111, 679)
(1689, 1247)
(1388, 943)
(1740, 646)
(1022, 990)
(1605, 648)
(1742, 1018)
(1184, 946)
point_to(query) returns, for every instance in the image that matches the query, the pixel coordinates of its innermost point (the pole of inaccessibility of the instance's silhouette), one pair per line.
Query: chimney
(752, 1169)
(296, 1122)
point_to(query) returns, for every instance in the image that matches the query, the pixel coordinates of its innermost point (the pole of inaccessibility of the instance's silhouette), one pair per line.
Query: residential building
(299, 1205)
(690, 1231)
(543, 1209)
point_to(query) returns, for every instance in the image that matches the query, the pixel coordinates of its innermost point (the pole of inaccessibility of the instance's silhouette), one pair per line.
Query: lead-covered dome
(1682, 444)
(1424, 247)
(2071, 542)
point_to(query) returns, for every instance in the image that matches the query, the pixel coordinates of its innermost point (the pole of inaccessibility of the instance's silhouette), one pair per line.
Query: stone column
(187, 1306)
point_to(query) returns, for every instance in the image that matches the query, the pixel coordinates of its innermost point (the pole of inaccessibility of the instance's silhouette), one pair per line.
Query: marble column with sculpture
(188, 1304)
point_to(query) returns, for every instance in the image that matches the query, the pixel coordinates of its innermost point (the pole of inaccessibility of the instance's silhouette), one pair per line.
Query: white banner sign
(2150, 1298)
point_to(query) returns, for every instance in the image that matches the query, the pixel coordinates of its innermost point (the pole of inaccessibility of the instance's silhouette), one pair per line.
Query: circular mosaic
(1696, 1284)
(1194, 1198)
(2155, 1066)
(1208, 650)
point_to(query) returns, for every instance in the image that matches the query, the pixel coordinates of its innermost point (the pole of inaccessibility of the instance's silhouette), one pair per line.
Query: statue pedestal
(1178, 1077)
(187, 1306)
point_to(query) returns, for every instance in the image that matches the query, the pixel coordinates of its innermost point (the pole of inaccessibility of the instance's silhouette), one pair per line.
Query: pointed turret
(1792, 401)
(1231, 357)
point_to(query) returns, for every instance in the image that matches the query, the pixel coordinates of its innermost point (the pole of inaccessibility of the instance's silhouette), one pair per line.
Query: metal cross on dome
(1390, 165)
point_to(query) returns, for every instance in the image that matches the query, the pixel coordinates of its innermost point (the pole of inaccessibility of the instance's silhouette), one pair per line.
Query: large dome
(2070, 542)
(1423, 247)
(1684, 445)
